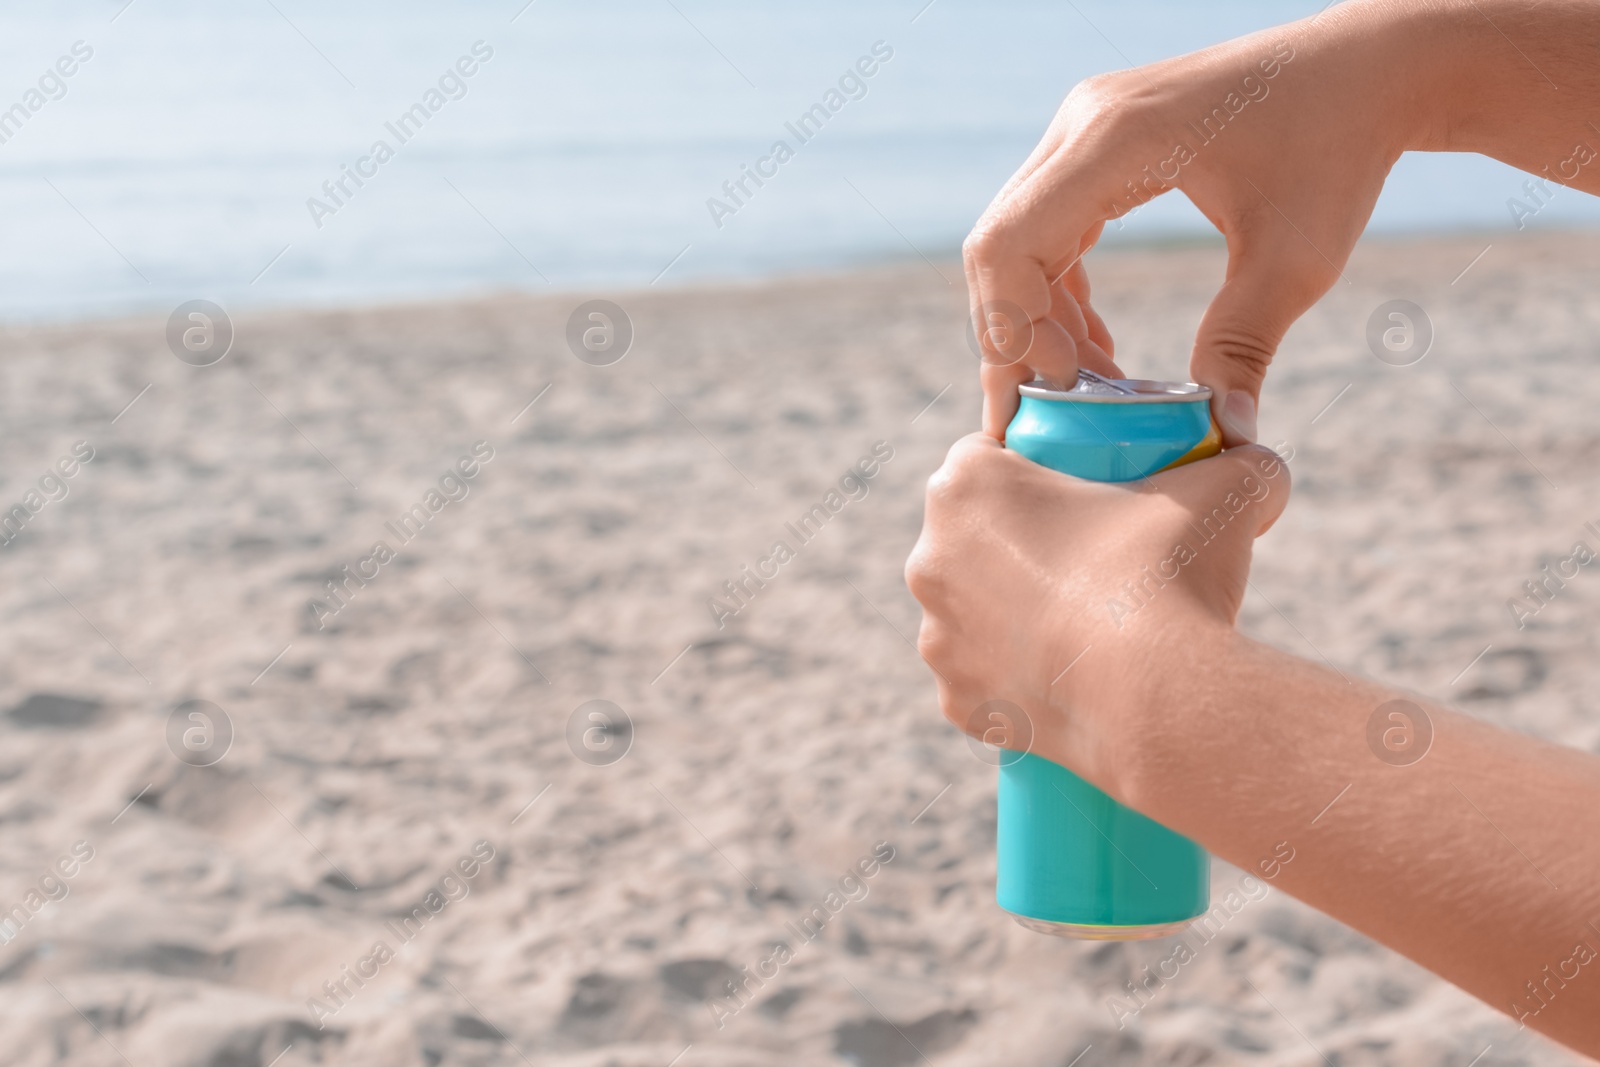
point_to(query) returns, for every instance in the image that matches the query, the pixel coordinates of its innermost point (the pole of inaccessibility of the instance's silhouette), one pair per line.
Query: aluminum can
(1071, 861)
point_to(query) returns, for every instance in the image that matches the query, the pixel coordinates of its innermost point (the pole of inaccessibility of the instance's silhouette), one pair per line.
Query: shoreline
(946, 260)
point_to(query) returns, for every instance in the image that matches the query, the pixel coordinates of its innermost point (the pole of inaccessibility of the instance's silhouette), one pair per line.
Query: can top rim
(1097, 389)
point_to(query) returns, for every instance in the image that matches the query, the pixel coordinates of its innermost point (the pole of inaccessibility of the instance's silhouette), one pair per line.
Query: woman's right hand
(1282, 139)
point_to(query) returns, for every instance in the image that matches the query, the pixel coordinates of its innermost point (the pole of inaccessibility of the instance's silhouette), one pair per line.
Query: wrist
(1476, 72)
(1458, 80)
(1159, 745)
(1424, 66)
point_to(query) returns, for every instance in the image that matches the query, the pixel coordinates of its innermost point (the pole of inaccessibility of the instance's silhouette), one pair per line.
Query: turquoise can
(1071, 861)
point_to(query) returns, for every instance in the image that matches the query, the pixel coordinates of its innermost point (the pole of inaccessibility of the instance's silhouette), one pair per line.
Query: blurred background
(387, 839)
(180, 159)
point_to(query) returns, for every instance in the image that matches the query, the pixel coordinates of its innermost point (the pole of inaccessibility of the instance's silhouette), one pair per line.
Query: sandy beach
(401, 858)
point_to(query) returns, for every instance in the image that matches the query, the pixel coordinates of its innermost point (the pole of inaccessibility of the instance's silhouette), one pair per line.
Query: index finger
(1015, 277)
(1024, 243)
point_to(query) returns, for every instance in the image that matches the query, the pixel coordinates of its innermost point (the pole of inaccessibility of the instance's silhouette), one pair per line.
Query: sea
(205, 150)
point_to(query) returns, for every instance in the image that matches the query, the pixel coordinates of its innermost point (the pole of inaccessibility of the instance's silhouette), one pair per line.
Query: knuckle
(923, 578)
(1094, 90)
(947, 484)
(986, 243)
(959, 477)
(1258, 462)
(1102, 98)
(977, 475)
(1252, 357)
(1246, 346)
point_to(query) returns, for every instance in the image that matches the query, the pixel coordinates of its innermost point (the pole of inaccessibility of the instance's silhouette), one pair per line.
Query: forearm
(1512, 79)
(1477, 860)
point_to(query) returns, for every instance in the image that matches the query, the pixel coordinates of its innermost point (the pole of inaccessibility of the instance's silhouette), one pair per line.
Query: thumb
(1255, 307)
(1230, 500)
(1241, 492)
(1261, 477)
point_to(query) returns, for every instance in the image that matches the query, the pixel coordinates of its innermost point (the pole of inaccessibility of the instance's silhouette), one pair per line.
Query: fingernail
(1239, 416)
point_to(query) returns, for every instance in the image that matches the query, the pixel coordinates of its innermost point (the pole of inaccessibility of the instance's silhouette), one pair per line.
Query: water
(179, 162)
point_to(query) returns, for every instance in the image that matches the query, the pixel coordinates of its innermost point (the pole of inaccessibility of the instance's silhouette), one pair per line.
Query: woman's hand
(1282, 138)
(1023, 571)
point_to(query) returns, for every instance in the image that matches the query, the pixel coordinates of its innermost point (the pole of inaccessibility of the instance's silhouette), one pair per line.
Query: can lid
(1096, 388)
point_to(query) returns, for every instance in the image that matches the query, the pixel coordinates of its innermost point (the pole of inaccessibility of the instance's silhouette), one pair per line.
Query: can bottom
(1089, 932)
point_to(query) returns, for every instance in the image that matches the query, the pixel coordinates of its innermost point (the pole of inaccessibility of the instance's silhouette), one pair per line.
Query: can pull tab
(1099, 383)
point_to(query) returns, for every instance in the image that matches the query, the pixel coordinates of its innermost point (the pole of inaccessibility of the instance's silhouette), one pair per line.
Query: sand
(428, 717)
